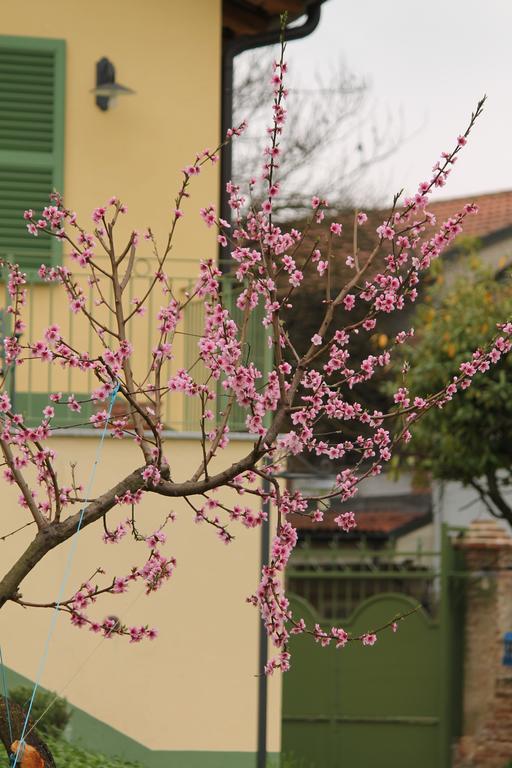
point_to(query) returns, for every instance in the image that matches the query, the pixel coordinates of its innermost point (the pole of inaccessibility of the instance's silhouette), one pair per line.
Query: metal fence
(336, 580)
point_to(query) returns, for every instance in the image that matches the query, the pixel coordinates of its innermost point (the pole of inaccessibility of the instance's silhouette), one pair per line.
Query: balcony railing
(31, 383)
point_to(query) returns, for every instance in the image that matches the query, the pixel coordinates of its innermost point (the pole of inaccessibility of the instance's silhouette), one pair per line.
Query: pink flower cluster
(282, 407)
(153, 573)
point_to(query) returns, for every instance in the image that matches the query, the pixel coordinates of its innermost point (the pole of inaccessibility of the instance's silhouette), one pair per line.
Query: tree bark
(17, 721)
(56, 533)
(497, 498)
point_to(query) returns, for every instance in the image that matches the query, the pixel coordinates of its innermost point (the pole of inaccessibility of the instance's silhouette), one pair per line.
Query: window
(32, 76)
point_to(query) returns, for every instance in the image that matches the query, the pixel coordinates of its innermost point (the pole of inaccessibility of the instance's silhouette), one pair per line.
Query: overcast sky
(427, 65)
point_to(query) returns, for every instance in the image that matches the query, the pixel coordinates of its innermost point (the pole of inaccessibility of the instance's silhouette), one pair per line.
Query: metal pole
(230, 50)
(263, 644)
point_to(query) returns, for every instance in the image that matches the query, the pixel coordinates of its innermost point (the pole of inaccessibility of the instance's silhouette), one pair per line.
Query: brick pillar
(487, 724)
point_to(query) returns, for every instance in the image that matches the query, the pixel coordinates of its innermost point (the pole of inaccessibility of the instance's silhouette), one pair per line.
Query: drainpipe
(231, 49)
(261, 760)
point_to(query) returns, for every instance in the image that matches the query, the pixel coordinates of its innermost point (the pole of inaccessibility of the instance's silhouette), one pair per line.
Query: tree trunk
(496, 497)
(33, 740)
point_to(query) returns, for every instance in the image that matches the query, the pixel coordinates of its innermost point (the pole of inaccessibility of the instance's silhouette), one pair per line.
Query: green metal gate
(393, 705)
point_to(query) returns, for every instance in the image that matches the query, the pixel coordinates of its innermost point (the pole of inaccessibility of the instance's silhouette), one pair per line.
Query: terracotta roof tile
(383, 521)
(377, 515)
(495, 214)
(367, 522)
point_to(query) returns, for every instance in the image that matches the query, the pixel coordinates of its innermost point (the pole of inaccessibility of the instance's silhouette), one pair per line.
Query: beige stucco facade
(195, 688)
(169, 53)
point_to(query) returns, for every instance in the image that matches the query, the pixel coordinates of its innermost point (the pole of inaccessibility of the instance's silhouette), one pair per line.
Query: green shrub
(67, 755)
(55, 720)
(52, 727)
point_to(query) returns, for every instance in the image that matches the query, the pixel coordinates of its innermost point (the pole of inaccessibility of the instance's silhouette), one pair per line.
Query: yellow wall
(199, 675)
(169, 52)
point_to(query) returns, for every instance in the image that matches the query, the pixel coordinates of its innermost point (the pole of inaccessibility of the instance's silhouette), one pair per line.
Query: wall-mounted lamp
(107, 90)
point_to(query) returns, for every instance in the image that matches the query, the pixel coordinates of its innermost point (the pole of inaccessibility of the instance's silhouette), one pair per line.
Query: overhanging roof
(252, 17)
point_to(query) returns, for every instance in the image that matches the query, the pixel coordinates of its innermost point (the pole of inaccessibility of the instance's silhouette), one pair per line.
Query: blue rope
(6, 696)
(66, 574)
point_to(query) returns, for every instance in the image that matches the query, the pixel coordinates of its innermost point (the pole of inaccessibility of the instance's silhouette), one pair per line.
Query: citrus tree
(468, 439)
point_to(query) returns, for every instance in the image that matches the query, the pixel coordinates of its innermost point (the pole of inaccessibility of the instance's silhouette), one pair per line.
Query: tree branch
(40, 520)
(56, 533)
(496, 497)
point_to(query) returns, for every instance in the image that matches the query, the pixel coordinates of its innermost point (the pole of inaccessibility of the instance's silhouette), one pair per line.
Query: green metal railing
(46, 305)
(335, 579)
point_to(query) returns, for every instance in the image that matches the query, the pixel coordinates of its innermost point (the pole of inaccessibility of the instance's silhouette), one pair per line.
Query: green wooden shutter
(32, 78)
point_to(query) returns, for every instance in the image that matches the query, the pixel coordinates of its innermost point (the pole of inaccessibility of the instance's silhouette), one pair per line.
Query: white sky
(429, 62)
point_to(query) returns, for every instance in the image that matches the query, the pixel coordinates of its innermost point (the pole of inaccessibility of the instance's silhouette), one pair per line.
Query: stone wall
(487, 718)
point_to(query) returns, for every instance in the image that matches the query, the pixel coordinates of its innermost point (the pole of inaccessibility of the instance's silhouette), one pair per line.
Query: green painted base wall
(86, 731)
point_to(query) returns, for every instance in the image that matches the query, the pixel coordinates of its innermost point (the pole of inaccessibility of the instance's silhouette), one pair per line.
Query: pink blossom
(73, 404)
(156, 538)
(5, 402)
(340, 636)
(385, 231)
(346, 521)
(151, 474)
(120, 585)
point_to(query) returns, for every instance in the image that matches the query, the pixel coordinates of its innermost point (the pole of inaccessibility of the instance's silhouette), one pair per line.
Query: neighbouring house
(437, 692)
(194, 696)
(393, 512)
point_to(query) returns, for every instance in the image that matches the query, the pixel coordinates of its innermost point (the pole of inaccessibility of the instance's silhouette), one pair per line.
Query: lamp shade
(106, 87)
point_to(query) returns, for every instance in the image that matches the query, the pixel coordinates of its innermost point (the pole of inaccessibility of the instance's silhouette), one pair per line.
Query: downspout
(231, 49)
(261, 759)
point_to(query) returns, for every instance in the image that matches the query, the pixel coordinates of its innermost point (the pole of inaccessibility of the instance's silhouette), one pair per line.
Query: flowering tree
(282, 407)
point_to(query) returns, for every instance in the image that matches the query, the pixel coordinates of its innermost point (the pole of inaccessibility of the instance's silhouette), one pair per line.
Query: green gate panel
(366, 707)
(384, 745)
